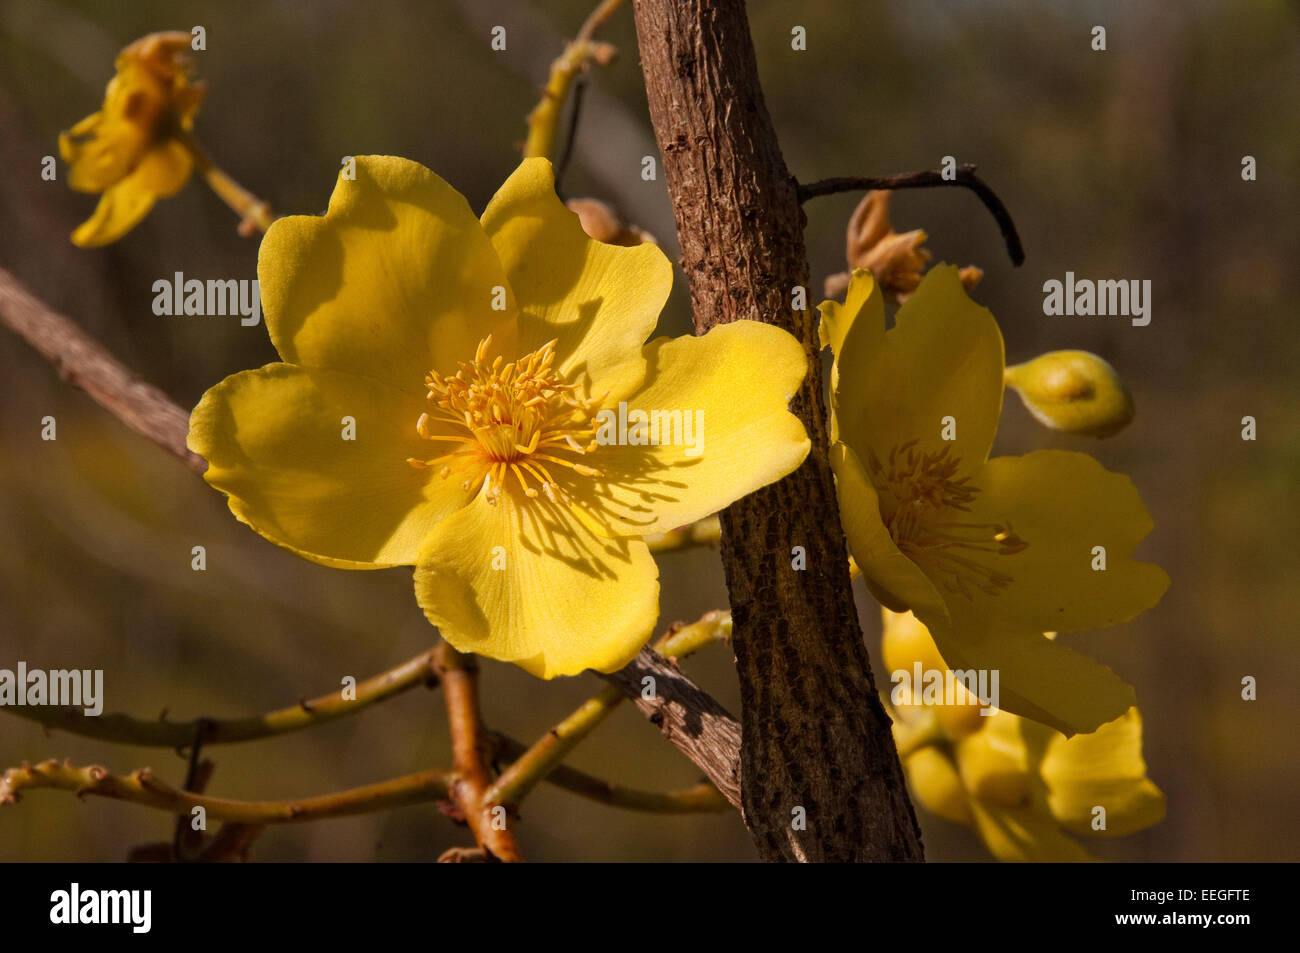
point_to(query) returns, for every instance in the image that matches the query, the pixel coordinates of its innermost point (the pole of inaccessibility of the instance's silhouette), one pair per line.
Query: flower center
(519, 419)
(920, 493)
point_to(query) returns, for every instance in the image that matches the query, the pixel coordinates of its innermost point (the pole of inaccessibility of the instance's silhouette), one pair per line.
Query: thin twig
(84, 363)
(702, 797)
(123, 729)
(545, 755)
(545, 118)
(965, 178)
(488, 822)
(144, 788)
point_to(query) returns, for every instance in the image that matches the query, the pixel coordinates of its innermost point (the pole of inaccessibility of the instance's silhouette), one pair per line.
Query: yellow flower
(132, 150)
(989, 554)
(1023, 787)
(483, 369)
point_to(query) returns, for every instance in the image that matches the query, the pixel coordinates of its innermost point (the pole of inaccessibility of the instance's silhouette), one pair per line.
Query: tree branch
(815, 734)
(84, 363)
(123, 729)
(144, 788)
(459, 674)
(695, 799)
(965, 178)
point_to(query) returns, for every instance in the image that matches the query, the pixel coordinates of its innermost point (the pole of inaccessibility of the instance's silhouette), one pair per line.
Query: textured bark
(815, 735)
(688, 717)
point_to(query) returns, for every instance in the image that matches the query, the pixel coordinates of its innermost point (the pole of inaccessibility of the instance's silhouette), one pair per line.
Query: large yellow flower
(492, 373)
(1023, 787)
(989, 554)
(132, 150)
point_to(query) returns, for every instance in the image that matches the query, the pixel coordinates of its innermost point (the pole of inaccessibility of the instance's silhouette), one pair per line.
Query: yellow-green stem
(544, 120)
(254, 213)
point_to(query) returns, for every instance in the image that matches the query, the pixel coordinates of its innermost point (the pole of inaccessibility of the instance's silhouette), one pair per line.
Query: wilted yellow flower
(603, 224)
(1023, 787)
(133, 150)
(895, 260)
(476, 398)
(989, 554)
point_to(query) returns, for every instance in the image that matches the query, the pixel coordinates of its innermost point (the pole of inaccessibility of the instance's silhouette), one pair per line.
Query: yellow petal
(1063, 505)
(100, 151)
(274, 441)
(893, 579)
(937, 786)
(522, 581)
(1038, 678)
(120, 209)
(943, 358)
(1102, 769)
(863, 309)
(735, 383)
(1021, 834)
(164, 169)
(396, 279)
(601, 301)
(862, 302)
(994, 761)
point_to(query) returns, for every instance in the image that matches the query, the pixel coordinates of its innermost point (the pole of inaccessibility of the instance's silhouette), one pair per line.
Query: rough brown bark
(688, 717)
(815, 735)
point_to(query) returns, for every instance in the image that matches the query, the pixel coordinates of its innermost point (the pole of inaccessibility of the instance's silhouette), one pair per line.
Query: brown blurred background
(1116, 164)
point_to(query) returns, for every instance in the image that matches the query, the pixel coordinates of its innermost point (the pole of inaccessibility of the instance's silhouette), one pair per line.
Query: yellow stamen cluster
(918, 490)
(518, 417)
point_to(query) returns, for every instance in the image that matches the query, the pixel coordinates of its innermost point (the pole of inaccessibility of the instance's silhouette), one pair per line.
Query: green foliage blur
(1117, 164)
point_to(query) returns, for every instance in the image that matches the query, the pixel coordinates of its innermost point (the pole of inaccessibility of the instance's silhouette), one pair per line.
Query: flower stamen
(918, 490)
(517, 414)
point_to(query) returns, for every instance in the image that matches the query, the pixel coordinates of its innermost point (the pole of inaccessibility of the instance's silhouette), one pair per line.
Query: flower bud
(1073, 391)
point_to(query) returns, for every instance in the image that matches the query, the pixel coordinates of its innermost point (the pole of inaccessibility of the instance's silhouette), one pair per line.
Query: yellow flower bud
(1073, 391)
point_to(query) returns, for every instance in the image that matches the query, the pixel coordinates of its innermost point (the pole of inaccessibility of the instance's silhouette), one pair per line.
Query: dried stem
(123, 729)
(964, 177)
(702, 797)
(491, 828)
(84, 363)
(143, 788)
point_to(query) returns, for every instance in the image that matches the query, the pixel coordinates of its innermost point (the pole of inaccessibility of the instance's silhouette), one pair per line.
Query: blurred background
(1117, 164)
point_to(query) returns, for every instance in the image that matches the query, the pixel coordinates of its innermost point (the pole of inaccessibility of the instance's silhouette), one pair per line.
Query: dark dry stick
(965, 178)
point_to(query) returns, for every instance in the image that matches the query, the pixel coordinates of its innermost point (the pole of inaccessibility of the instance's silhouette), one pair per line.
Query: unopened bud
(1073, 391)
